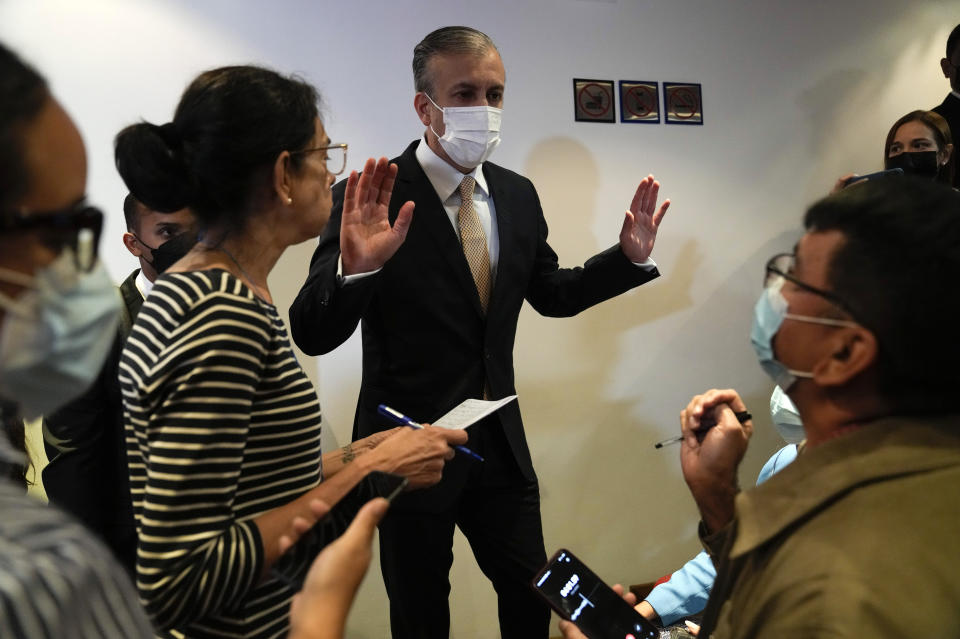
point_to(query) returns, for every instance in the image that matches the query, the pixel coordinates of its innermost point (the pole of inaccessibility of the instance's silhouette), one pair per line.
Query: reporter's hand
(417, 454)
(319, 610)
(710, 460)
(370, 442)
(570, 631)
(302, 523)
(841, 183)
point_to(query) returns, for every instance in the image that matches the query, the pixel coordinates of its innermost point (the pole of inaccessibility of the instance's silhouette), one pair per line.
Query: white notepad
(470, 412)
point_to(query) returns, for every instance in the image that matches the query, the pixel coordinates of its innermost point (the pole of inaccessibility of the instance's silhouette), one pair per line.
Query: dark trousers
(498, 511)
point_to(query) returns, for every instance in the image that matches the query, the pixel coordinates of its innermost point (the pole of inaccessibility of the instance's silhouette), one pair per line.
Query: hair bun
(149, 159)
(171, 136)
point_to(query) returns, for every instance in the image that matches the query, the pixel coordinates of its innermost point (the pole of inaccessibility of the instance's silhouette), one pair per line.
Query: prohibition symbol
(683, 103)
(594, 100)
(640, 101)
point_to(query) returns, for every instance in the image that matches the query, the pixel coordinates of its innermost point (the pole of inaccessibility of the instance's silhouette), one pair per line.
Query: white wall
(795, 94)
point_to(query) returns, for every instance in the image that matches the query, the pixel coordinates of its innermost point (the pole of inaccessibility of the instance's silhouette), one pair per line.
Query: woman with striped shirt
(223, 426)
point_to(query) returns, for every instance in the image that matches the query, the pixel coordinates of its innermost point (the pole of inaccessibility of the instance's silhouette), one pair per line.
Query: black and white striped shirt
(222, 425)
(57, 580)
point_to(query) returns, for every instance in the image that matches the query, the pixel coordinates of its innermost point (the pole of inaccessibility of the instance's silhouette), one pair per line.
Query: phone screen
(575, 592)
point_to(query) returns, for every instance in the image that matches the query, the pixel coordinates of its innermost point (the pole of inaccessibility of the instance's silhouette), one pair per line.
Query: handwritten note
(470, 412)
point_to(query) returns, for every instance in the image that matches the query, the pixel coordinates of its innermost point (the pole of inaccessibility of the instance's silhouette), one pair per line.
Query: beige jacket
(859, 537)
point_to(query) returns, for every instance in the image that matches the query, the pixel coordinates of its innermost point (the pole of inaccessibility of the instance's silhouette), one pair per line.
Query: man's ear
(130, 241)
(944, 65)
(283, 178)
(421, 105)
(852, 350)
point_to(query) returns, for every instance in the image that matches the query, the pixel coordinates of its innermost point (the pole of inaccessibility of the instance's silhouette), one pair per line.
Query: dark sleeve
(80, 442)
(563, 292)
(325, 314)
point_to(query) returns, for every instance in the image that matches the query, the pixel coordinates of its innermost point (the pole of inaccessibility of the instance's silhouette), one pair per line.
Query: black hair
(228, 129)
(132, 208)
(896, 271)
(953, 40)
(446, 40)
(23, 93)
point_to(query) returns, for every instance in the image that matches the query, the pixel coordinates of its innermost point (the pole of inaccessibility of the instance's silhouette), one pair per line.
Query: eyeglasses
(336, 156)
(78, 226)
(779, 268)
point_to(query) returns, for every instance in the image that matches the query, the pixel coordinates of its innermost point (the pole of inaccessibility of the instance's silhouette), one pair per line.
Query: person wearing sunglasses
(58, 317)
(223, 426)
(85, 440)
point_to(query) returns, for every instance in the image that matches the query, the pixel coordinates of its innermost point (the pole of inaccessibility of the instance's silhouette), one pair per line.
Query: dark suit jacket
(427, 344)
(950, 110)
(86, 444)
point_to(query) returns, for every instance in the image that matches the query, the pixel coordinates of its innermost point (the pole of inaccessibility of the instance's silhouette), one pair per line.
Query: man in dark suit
(87, 474)
(439, 320)
(950, 107)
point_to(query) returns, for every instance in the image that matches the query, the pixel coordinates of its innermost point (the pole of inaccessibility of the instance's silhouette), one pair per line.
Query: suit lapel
(431, 217)
(501, 204)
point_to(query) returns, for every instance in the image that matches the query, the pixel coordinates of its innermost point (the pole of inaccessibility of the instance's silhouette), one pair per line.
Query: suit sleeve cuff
(345, 280)
(647, 265)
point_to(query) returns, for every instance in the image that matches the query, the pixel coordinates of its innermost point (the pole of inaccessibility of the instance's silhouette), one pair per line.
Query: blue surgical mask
(55, 336)
(786, 417)
(768, 315)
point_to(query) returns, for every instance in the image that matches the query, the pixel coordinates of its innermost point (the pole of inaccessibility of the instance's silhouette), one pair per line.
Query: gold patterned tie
(474, 242)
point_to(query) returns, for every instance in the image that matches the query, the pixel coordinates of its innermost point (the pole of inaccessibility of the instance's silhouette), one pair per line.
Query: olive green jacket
(857, 538)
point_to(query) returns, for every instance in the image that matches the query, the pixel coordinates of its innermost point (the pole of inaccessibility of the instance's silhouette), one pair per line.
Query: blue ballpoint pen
(403, 420)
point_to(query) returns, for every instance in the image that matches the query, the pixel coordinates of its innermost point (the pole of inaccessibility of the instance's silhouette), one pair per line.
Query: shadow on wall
(585, 443)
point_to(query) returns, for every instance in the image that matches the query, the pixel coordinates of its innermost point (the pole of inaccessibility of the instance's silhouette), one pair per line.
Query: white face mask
(785, 417)
(55, 337)
(470, 133)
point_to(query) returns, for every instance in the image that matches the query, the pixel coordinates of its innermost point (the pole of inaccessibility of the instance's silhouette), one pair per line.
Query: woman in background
(223, 425)
(919, 144)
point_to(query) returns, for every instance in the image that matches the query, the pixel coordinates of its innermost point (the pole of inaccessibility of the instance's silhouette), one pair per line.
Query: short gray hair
(446, 40)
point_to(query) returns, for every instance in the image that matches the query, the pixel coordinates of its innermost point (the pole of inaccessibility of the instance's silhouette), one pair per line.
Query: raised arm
(360, 239)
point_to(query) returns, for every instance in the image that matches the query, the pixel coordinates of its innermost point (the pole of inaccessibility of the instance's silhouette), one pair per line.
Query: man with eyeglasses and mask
(85, 440)
(950, 107)
(439, 318)
(856, 538)
(58, 317)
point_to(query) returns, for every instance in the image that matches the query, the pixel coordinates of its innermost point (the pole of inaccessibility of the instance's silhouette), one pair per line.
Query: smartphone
(578, 595)
(386, 485)
(873, 176)
(292, 567)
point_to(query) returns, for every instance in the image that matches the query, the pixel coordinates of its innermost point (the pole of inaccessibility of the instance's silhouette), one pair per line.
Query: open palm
(640, 224)
(367, 239)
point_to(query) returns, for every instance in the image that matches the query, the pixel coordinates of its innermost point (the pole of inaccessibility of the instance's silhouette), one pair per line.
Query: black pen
(403, 420)
(741, 416)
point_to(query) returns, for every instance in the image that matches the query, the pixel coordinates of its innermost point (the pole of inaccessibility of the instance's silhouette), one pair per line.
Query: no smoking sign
(639, 102)
(593, 101)
(682, 103)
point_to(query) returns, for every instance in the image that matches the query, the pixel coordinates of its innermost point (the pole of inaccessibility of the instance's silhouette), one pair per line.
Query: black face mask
(171, 251)
(919, 163)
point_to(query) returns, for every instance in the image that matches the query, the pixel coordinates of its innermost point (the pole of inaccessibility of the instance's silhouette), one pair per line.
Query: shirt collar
(143, 284)
(445, 178)
(956, 94)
